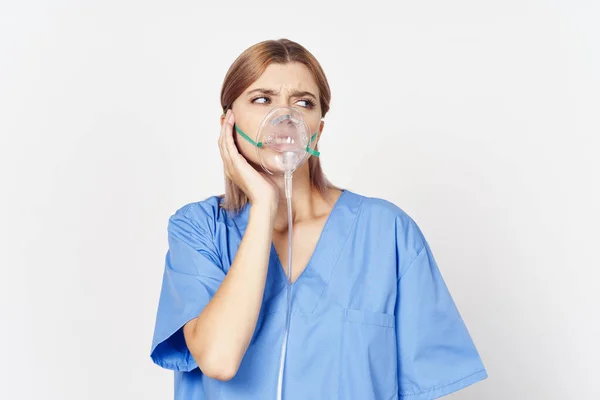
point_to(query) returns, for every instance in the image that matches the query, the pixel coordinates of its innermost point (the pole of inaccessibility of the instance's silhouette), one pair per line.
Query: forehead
(287, 76)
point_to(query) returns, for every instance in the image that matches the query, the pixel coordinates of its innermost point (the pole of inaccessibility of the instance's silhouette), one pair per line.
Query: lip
(284, 143)
(284, 147)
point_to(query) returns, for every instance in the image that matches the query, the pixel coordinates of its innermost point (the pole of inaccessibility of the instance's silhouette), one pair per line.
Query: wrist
(264, 209)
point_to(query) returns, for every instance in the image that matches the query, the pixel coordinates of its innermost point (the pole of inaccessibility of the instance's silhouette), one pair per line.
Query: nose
(285, 117)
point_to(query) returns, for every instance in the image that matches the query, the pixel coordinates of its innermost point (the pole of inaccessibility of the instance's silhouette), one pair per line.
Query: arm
(219, 337)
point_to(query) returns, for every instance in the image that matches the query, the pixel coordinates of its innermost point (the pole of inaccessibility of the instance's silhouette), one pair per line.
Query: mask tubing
(288, 195)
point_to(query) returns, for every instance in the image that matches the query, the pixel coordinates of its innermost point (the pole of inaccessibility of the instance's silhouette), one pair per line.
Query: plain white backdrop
(480, 119)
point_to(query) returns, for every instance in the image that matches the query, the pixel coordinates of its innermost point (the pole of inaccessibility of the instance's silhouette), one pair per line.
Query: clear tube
(283, 145)
(288, 195)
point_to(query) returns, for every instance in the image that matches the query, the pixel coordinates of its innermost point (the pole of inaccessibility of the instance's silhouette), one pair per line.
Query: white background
(479, 118)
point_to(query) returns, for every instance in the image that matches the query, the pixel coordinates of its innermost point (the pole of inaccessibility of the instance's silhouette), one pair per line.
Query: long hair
(246, 69)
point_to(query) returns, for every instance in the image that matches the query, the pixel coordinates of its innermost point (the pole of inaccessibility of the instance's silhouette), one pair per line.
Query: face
(288, 84)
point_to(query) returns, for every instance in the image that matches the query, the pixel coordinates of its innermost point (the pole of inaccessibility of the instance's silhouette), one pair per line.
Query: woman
(371, 315)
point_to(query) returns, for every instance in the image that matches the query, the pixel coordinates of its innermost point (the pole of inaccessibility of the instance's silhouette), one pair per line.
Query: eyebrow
(295, 93)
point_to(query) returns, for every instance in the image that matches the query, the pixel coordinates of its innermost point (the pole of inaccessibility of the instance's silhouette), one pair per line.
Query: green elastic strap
(260, 144)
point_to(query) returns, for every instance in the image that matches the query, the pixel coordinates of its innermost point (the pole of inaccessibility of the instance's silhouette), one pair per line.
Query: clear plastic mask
(283, 141)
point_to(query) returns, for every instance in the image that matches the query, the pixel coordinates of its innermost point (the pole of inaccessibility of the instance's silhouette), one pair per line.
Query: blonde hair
(246, 69)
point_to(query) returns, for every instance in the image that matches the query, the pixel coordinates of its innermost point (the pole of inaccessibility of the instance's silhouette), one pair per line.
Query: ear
(222, 119)
(321, 125)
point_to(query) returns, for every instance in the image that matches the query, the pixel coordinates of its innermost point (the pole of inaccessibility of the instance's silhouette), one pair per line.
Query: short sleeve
(192, 275)
(436, 355)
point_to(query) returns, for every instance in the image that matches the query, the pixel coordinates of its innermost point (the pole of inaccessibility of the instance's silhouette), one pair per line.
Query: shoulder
(385, 210)
(389, 218)
(382, 206)
(202, 215)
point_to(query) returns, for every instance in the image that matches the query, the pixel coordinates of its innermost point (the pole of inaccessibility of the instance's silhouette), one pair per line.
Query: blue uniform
(371, 315)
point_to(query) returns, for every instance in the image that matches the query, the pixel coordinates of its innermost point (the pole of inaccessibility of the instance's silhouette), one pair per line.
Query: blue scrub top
(372, 317)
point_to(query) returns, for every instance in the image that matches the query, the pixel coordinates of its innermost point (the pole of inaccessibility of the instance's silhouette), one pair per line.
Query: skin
(219, 337)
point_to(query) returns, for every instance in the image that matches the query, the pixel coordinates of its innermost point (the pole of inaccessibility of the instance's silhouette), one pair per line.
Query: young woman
(371, 315)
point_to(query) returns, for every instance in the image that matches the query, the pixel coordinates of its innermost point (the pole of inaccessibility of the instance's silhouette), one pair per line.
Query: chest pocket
(368, 364)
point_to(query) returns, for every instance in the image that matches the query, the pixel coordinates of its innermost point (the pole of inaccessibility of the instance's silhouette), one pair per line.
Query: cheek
(313, 123)
(245, 148)
(247, 123)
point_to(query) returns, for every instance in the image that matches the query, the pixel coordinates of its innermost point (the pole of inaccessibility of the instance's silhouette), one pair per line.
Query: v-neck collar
(308, 287)
(320, 240)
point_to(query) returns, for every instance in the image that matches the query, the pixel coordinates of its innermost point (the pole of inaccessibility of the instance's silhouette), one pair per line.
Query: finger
(227, 132)
(232, 149)
(220, 142)
(228, 135)
(224, 156)
(223, 147)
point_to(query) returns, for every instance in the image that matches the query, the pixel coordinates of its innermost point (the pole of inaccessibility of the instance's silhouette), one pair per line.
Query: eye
(309, 104)
(260, 102)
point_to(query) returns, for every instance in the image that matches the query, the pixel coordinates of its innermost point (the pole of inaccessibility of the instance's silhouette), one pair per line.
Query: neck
(305, 200)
